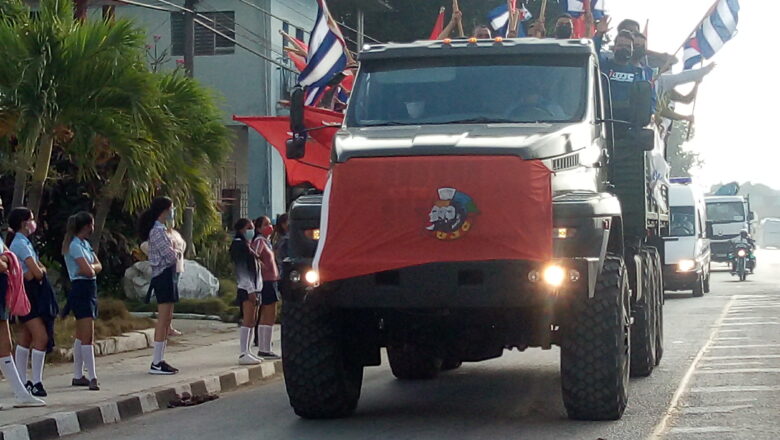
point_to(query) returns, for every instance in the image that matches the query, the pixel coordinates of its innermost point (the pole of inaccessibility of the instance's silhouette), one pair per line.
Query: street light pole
(189, 37)
(360, 31)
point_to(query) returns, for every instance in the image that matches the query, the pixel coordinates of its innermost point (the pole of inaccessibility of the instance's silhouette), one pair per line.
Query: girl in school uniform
(250, 284)
(270, 294)
(163, 259)
(7, 365)
(83, 266)
(32, 338)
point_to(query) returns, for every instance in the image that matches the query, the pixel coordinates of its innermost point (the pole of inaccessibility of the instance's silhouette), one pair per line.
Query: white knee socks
(8, 368)
(38, 359)
(266, 332)
(22, 358)
(88, 355)
(159, 352)
(78, 360)
(243, 339)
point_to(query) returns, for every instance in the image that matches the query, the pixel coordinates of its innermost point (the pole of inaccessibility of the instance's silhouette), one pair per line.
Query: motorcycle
(741, 260)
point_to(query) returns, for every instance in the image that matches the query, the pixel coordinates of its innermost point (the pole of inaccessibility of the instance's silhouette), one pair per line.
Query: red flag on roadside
(383, 214)
(438, 26)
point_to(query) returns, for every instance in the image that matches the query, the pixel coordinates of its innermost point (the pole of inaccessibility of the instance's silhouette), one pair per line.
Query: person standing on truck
(622, 74)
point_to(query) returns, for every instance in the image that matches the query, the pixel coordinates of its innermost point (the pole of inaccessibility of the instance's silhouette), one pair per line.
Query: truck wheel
(698, 288)
(659, 314)
(410, 362)
(595, 347)
(643, 332)
(322, 382)
(450, 364)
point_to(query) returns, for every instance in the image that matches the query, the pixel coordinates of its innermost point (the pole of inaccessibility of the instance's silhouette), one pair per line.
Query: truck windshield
(448, 90)
(683, 221)
(725, 212)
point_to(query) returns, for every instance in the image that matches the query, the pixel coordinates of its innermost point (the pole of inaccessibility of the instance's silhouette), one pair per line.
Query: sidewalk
(207, 355)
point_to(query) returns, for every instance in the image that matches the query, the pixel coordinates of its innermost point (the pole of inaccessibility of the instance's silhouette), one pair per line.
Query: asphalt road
(719, 379)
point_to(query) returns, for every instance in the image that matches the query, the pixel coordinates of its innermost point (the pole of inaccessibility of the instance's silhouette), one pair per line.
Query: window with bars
(206, 41)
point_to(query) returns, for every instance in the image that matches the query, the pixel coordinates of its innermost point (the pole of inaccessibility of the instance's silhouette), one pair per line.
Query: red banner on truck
(383, 214)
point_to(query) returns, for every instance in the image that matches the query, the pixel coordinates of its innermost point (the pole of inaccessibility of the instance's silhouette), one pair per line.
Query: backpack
(16, 301)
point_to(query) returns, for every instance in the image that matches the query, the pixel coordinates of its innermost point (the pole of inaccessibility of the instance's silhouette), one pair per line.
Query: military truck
(444, 112)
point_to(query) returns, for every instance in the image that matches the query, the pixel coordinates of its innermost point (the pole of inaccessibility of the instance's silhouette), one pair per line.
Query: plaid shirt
(161, 252)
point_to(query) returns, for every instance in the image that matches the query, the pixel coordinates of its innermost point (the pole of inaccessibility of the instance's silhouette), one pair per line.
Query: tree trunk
(40, 173)
(103, 205)
(80, 9)
(20, 184)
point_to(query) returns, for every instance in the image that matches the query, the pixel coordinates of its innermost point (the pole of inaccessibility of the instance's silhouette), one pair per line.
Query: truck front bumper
(501, 283)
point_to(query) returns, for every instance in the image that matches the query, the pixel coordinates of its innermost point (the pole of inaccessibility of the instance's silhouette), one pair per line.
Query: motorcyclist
(744, 238)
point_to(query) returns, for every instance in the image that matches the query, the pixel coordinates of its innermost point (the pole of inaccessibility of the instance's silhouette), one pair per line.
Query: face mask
(268, 230)
(563, 31)
(249, 234)
(171, 215)
(622, 54)
(32, 227)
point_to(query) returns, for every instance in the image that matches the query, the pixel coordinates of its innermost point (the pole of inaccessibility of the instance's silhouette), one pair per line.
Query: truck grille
(563, 163)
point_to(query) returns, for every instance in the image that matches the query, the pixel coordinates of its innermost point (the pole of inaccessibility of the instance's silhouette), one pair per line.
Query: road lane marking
(740, 370)
(743, 324)
(733, 338)
(713, 409)
(672, 409)
(752, 356)
(730, 364)
(746, 346)
(700, 430)
(736, 389)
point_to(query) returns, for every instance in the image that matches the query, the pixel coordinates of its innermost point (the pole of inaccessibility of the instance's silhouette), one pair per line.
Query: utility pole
(80, 9)
(189, 37)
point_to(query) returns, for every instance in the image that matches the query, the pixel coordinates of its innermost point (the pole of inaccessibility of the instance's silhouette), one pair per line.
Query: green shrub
(227, 289)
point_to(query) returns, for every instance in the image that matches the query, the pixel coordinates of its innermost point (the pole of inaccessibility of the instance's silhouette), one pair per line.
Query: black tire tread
(321, 383)
(594, 348)
(643, 332)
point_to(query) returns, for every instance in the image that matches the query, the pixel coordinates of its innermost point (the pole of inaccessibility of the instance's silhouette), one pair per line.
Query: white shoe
(28, 401)
(248, 359)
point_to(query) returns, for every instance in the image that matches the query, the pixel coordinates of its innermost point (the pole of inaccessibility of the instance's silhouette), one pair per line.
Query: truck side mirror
(709, 232)
(296, 147)
(645, 139)
(751, 216)
(641, 103)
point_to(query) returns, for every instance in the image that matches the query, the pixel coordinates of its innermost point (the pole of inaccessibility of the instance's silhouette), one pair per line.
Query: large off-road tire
(595, 348)
(322, 381)
(450, 364)
(410, 362)
(698, 288)
(659, 315)
(643, 331)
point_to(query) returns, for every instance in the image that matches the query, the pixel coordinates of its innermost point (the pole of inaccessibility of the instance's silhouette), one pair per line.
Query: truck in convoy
(728, 215)
(687, 247)
(769, 234)
(484, 195)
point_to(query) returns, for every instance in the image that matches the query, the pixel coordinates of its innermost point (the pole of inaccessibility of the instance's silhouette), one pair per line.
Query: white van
(687, 248)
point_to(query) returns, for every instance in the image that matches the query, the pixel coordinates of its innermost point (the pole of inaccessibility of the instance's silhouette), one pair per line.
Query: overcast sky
(737, 125)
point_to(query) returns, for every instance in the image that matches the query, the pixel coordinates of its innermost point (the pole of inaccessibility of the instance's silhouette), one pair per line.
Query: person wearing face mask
(564, 27)
(622, 74)
(249, 281)
(263, 248)
(33, 338)
(83, 266)
(163, 259)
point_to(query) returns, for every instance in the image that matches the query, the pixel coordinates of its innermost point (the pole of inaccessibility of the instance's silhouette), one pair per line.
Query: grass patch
(113, 320)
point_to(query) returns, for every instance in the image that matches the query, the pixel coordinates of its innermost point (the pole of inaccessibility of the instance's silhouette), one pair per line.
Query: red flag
(313, 167)
(383, 214)
(299, 61)
(438, 26)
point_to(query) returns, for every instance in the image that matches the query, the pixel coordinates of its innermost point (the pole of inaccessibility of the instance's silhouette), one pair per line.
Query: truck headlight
(686, 265)
(554, 275)
(312, 277)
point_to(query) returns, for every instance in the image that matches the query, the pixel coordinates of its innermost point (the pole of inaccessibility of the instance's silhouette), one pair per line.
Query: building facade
(250, 75)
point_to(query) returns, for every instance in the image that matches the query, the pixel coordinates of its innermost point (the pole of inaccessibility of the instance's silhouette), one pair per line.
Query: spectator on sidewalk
(262, 247)
(249, 281)
(32, 337)
(7, 365)
(163, 259)
(83, 266)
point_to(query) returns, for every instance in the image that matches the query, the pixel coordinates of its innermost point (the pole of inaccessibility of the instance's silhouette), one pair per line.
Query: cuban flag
(576, 8)
(718, 28)
(499, 20)
(692, 54)
(326, 56)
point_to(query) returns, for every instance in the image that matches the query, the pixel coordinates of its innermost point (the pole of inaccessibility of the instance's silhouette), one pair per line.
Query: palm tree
(57, 71)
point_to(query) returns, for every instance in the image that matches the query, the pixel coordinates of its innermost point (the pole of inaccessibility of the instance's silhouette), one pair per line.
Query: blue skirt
(82, 299)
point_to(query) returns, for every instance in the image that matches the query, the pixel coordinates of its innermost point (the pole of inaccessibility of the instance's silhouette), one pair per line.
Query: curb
(130, 341)
(126, 407)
